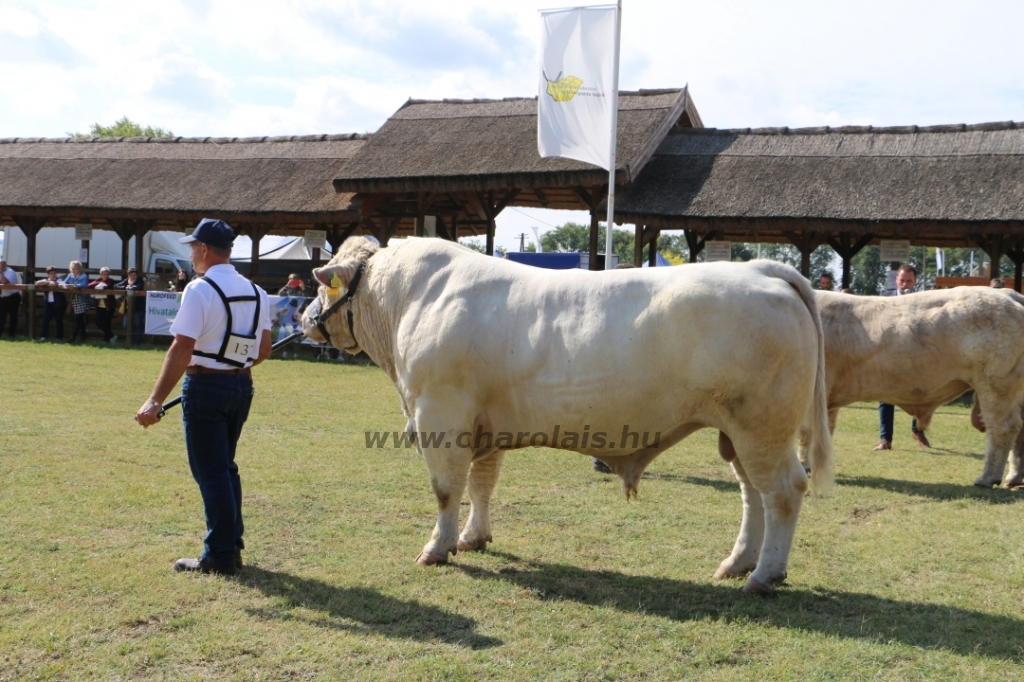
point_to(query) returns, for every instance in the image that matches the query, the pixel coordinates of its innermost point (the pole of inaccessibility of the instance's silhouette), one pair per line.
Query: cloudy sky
(257, 67)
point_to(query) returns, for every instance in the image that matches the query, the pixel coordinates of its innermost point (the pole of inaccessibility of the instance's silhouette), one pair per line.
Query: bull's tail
(820, 445)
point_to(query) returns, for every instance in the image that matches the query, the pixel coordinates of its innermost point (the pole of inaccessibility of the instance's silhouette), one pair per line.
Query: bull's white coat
(919, 352)
(473, 342)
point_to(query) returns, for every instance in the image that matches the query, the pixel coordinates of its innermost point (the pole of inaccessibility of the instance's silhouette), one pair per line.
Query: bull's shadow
(361, 610)
(935, 491)
(841, 614)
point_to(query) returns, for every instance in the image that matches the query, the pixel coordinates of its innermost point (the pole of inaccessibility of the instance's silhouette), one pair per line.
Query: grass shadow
(841, 614)
(360, 610)
(720, 485)
(936, 491)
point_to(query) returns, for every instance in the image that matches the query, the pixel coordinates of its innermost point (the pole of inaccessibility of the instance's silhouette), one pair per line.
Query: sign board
(285, 313)
(715, 250)
(894, 250)
(315, 239)
(83, 256)
(429, 226)
(83, 231)
(161, 309)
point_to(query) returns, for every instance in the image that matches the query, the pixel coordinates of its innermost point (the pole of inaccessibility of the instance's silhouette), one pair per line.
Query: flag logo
(563, 89)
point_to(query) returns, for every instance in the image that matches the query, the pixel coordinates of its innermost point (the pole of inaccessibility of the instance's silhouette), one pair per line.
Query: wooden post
(848, 250)
(489, 248)
(141, 230)
(1016, 254)
(638, 246)
(594, 226)
(30, 227)
(806, 242)
(652, 252)
(455, 228)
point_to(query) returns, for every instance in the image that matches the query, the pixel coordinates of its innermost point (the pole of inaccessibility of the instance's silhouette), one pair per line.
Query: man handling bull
(906, 282)
(221, 331)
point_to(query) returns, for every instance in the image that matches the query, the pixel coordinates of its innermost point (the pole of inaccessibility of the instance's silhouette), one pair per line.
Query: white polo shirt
(12, 278)
(202, 315)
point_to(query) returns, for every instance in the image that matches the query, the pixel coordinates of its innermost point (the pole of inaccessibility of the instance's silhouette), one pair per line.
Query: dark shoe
(601, 467)
(238, 559)
(921, 439)
(884, 445)
(203, 566)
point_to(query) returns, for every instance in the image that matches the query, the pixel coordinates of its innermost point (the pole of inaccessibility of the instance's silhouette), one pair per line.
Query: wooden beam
(594, 226)
(806, 242)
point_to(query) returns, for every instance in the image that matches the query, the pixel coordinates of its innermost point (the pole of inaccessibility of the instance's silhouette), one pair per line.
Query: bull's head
(335, 279)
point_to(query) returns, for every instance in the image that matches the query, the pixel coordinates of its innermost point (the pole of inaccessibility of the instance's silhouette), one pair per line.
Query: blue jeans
(886, 413)
(214, 408)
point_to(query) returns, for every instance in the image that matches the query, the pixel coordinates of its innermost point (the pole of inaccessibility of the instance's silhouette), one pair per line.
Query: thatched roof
(262, 179)
(921, 176)
(475, 145)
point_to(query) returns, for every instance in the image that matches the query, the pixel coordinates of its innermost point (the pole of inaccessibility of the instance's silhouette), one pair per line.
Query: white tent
(274, 248)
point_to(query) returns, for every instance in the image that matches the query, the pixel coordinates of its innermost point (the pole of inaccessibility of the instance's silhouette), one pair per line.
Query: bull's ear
(338, 275)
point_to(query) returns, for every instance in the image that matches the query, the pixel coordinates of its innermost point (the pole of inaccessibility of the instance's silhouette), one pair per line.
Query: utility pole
(522, 242)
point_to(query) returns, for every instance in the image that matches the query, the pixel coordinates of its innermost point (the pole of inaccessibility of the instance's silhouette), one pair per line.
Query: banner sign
(895, 250)
(83, 231)
(285, 313)
(717, 251)
(576, 102)
(315, 239)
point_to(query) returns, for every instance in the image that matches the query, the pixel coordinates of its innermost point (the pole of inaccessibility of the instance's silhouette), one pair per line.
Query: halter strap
(345, 298)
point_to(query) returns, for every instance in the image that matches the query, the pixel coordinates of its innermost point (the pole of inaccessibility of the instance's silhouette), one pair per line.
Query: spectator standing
(79, 302)
(10, 299)
(135, 283)
(181, 281)
(825, 282)
(54, 303)
(104, 304)
(294, 287)
(906, 282)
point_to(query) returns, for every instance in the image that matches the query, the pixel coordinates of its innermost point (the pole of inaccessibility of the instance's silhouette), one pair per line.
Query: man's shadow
(360, 610)
(842, 614)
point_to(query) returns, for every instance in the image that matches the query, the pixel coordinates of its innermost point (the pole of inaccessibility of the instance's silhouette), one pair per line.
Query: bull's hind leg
(483, 476)
(449, 469)
(1002, 430)
(1015, 477)
(745, 552)
(782, 482)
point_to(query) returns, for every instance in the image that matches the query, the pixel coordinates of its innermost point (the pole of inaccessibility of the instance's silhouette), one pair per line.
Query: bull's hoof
(755, 587)
(474, 545)
(1015, 481)
(427, 559)
(727, 573)
(986, 483)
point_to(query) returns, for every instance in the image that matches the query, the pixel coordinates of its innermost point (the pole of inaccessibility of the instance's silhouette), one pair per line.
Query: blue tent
(551, 261)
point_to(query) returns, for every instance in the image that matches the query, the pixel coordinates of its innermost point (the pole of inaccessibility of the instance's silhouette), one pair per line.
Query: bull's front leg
(448, 464)
(483, 476)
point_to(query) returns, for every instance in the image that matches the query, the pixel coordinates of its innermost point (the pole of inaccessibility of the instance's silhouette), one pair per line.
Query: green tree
(125, 127)
(474, 243)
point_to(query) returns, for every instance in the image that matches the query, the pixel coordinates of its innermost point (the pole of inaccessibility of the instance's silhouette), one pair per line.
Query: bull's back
(649, 349)
(917, 349)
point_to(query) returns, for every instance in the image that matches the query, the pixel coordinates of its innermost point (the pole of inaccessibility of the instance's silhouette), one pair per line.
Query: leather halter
(321, 318)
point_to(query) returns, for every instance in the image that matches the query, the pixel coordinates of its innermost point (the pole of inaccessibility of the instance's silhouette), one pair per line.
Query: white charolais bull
(480, 345)
(919, 352)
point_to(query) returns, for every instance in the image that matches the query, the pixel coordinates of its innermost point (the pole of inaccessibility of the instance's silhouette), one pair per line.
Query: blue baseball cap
(215, 233)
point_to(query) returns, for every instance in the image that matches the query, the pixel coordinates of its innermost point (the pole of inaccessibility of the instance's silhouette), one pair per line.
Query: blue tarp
(551, 261)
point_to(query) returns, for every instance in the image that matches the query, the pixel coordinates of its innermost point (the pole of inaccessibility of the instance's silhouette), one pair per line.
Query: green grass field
(907, 572)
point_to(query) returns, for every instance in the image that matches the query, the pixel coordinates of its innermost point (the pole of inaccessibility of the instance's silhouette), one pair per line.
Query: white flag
(577, 100)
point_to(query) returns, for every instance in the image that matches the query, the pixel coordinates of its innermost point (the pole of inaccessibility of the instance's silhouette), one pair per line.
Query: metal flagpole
(610, 228)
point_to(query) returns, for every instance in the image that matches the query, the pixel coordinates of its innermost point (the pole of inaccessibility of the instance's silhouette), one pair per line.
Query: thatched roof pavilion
(463, 161)
(259, 185)
(953, 185)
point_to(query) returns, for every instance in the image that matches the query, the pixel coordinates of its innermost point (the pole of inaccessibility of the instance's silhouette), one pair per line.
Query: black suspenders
(228, 333)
